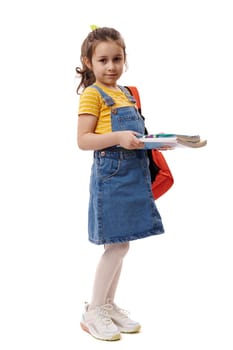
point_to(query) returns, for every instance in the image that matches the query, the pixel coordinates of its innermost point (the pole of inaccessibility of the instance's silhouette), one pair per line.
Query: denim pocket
(108, 167)
(128, 119)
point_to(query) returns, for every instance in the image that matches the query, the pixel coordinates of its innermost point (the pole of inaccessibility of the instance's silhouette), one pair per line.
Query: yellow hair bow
(94, 27)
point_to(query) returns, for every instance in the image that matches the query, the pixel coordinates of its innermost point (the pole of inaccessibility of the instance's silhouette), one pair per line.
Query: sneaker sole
(113, 338)
(135, 330)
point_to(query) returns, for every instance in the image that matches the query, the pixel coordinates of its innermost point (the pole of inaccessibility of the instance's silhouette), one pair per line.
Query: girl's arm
(88, 140)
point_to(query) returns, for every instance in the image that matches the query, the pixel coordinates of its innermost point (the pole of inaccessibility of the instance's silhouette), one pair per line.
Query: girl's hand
(129, 140)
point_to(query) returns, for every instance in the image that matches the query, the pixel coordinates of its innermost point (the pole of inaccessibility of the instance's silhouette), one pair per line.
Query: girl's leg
(108, 273)
(112, 290)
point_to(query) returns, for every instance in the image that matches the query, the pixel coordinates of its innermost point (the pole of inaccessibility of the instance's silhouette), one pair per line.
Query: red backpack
(161, 176)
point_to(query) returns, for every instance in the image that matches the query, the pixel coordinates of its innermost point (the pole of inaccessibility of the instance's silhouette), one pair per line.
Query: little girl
(121, 205)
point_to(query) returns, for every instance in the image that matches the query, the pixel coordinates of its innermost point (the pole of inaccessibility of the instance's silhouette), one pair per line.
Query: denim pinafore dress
(121, 204)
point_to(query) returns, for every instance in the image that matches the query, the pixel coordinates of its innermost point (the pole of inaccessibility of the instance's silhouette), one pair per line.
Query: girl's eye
(118, 59)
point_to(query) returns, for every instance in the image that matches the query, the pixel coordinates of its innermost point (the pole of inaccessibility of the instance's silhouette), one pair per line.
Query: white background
(178, 285)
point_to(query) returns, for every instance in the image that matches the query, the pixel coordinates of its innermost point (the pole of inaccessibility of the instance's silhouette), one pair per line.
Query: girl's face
(108, 63)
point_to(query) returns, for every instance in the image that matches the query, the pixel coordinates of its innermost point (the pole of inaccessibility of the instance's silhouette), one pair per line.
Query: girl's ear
(87, 62)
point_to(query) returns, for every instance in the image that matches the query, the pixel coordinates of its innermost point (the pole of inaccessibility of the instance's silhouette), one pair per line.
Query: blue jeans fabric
(121, 205)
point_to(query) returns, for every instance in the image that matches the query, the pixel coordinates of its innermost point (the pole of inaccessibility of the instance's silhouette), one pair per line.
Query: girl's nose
(110, 66)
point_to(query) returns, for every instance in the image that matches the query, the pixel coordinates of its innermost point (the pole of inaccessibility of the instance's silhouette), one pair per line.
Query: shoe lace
(104, 314)
(124, 313)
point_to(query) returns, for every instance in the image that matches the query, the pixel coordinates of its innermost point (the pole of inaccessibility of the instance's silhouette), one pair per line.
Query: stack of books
(171, 141)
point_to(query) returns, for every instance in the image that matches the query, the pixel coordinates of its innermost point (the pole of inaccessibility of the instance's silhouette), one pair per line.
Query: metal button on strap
(114, 110)
(102, 153)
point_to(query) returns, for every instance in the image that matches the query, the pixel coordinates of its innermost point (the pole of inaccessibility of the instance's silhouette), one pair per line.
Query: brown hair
(87, 49)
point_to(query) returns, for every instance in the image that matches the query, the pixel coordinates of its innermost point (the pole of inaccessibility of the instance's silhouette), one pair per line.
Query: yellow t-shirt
(91, 102)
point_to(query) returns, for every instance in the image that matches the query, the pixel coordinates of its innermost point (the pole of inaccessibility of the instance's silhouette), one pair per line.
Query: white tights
(108, 273)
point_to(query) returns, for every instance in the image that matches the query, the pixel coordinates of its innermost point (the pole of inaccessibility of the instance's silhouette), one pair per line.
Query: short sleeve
(90, 102)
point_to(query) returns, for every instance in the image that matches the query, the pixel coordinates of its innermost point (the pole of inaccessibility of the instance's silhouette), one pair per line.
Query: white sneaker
(121, 319)
(98, 323)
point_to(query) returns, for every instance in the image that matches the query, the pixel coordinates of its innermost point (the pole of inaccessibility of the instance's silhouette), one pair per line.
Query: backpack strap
(134, 91)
